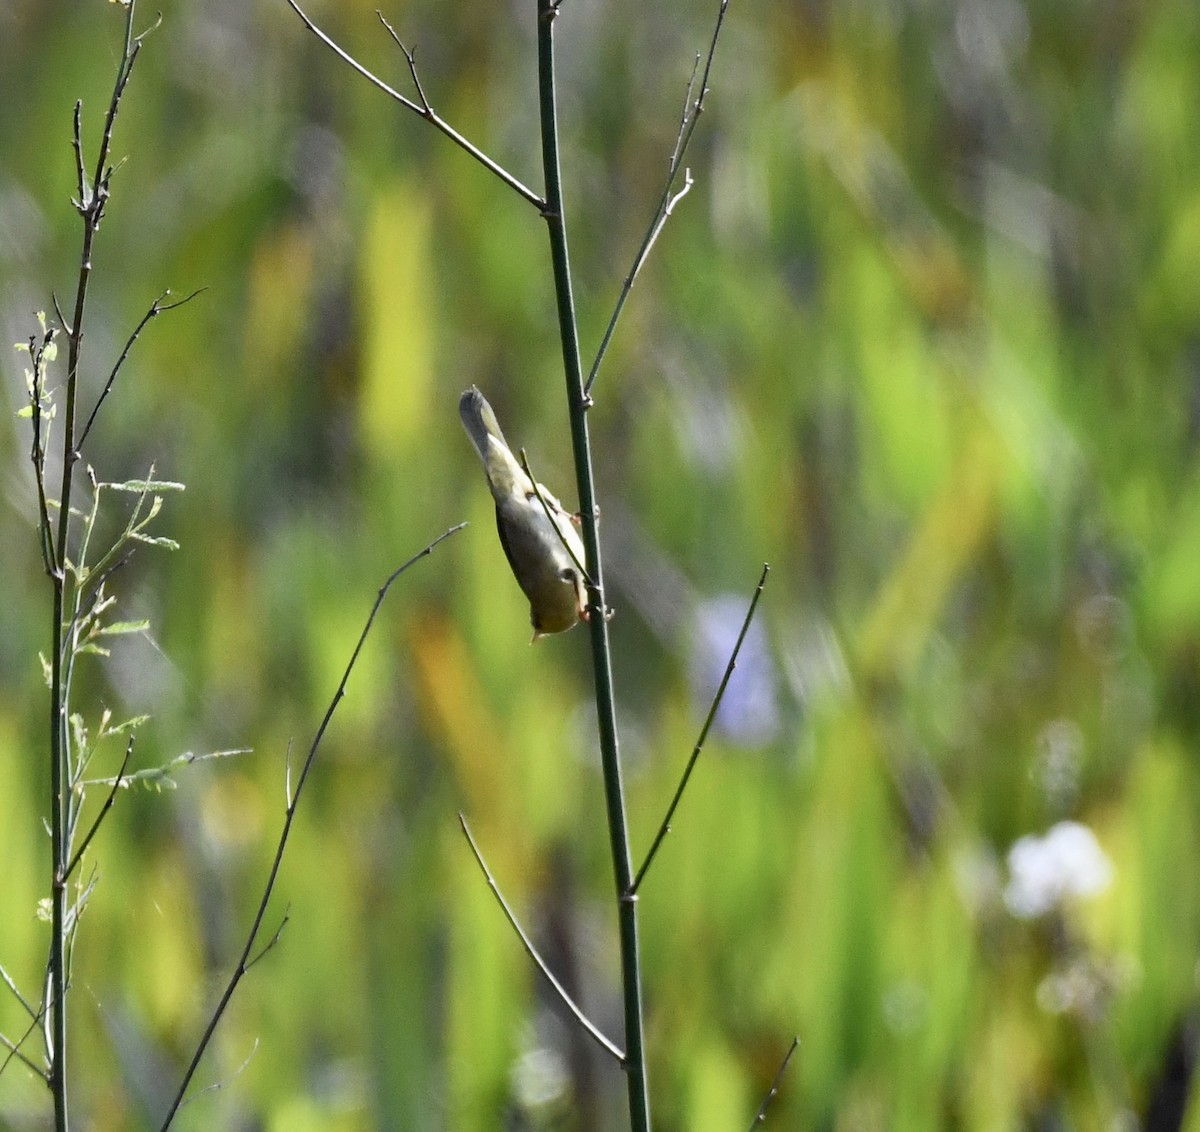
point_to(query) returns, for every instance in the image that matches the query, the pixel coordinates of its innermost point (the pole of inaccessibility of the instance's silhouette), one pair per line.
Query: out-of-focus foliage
(925, 335)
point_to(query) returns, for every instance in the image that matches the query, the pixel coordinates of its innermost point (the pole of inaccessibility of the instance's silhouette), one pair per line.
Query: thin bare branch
(712, 52)
(156, 308)
(244, 961)
(422, 108)
(593, 1031)
(774, 1089)
(58, 312)
(12, 986)
(283, 923)
(97, 197)
(692, 110)
(684, 118)
(14, 1052)
(662, 220)
(84, 199)
(217, 1086)
(83, 893)
(287, 774)
(108, 801)
(412, 64)
(41, 431)
(665, 827)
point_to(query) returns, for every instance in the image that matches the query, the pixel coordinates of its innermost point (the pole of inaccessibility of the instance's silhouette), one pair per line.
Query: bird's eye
(567, 574)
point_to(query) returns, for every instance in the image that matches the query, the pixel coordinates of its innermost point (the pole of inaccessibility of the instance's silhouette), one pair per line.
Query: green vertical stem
(635, 1058)
(91, 202)
(59, 748)
(59, 745)
(58, 777)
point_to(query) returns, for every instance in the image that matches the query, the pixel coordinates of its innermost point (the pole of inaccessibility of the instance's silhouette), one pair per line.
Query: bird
(539, 535)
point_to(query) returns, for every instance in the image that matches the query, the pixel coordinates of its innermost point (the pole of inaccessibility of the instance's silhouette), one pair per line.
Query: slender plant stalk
(692, 109)
(665, 827)
(761, 1116)
(116, 785)
(247, 958)
(593, 1031)
(156, 308)
(606, 712)
(90, 205)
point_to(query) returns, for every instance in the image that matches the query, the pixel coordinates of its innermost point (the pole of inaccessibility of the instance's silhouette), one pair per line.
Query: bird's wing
(512, 563)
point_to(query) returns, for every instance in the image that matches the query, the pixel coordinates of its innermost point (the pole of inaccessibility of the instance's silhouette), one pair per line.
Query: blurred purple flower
(749, 712)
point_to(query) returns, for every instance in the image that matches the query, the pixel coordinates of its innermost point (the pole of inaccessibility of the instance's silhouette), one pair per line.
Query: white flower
(540, 1077)
(1046, 871)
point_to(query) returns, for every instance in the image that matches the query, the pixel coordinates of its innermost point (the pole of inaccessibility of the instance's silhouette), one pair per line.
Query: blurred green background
(925, 335)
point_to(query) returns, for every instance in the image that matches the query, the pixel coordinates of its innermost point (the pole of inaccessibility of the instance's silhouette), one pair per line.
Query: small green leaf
(126, 725)
(144, 487)
(152, 540)
(120, 628)
(78, 731)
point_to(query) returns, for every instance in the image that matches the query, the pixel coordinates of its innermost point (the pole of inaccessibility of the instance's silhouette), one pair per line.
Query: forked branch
(421, 108)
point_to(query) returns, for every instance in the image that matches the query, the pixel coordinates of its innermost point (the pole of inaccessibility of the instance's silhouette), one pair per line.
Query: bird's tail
(482, 427)
(479, 421)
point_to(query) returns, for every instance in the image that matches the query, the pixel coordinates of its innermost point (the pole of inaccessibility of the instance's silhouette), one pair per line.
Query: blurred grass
(923, 335)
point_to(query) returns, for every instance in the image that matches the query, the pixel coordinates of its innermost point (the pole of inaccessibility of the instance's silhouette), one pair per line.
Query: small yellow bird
(535, 543)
